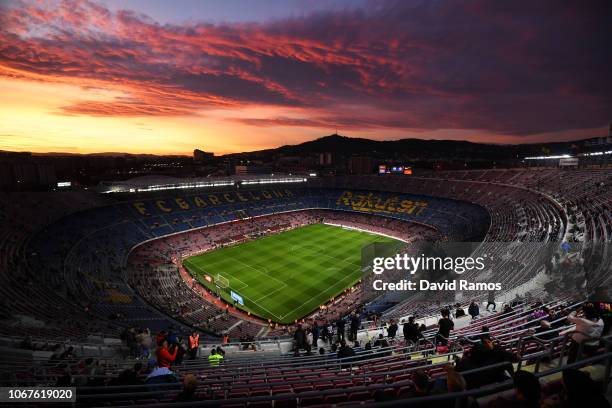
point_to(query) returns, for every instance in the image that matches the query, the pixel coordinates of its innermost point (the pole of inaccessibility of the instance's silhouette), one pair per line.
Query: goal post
(222, 281)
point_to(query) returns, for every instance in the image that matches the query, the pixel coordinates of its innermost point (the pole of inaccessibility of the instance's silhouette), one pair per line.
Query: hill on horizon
(425, 148)
(349, 146)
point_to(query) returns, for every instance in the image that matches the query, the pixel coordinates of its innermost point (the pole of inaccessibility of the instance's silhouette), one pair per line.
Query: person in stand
(459, 312)
(165, 357)
(527, 389)
(473, 310)
(190, 385)
(315, 335)
(344, 352)
(130, 376)
(422, 384)
(411, 332)
(194, 343)
(392, 329)
(589, 328)
(581, 390)
(340, 324)
(381, 342)
(491, 300)
(355, 323)
(445, 325)
(299, 338)
(484, 354)
(181, 350)
(325, 336)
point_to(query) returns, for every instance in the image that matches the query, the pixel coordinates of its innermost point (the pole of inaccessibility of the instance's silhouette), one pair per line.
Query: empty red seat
(343, 383)
(260, 392)
(302, 388)
(335, 399)
(286, 403)
(324, 386)
(310, 401)
(404, 391)
(260, 404)
(281, 389)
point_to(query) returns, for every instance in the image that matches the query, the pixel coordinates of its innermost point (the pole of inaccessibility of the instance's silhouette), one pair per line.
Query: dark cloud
(518, 67)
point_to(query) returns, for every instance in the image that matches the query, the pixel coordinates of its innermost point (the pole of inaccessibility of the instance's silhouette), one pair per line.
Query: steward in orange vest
(194, 342)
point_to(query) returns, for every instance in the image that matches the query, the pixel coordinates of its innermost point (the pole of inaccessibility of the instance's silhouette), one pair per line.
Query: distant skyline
(151, 76)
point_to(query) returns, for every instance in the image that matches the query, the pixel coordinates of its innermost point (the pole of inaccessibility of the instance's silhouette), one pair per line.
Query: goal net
(222, 281)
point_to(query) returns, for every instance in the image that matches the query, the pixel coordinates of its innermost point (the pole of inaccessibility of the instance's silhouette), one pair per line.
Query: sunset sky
(153, 76)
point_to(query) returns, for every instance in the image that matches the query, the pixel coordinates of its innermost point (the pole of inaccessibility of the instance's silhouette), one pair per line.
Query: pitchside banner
(456, 272)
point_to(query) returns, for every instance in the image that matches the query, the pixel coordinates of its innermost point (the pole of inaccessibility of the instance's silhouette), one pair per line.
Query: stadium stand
(114, 266)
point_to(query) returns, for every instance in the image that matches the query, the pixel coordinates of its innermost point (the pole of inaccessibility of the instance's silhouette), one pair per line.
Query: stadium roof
(159, 182)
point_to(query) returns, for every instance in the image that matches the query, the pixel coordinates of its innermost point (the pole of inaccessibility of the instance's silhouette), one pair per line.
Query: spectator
(392, 329)
(190, 385)
(345, 350)
(491, 300)
(161, 375)
(160, 337)
(459, 312)
(172, 337)
(340, 324)
(325, 335)
(455, 382)
(527, 389)
(381, 341)
(144, 342)
(299, 338)
(421, 384)
(516, 301)
(411, 331)
(582, 391)
(181, 350)
(315, 335)
(355, 323)
(164, 357)
(543, 332)
(588, 326)
(473, 310)
(445, 325)
(130, 376)
(485, 354)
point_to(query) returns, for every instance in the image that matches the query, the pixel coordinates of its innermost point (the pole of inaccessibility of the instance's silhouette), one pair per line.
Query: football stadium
(274, 278)
(452, 251)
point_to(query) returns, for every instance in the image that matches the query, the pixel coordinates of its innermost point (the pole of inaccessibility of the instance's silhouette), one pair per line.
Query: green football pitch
(286, 276)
